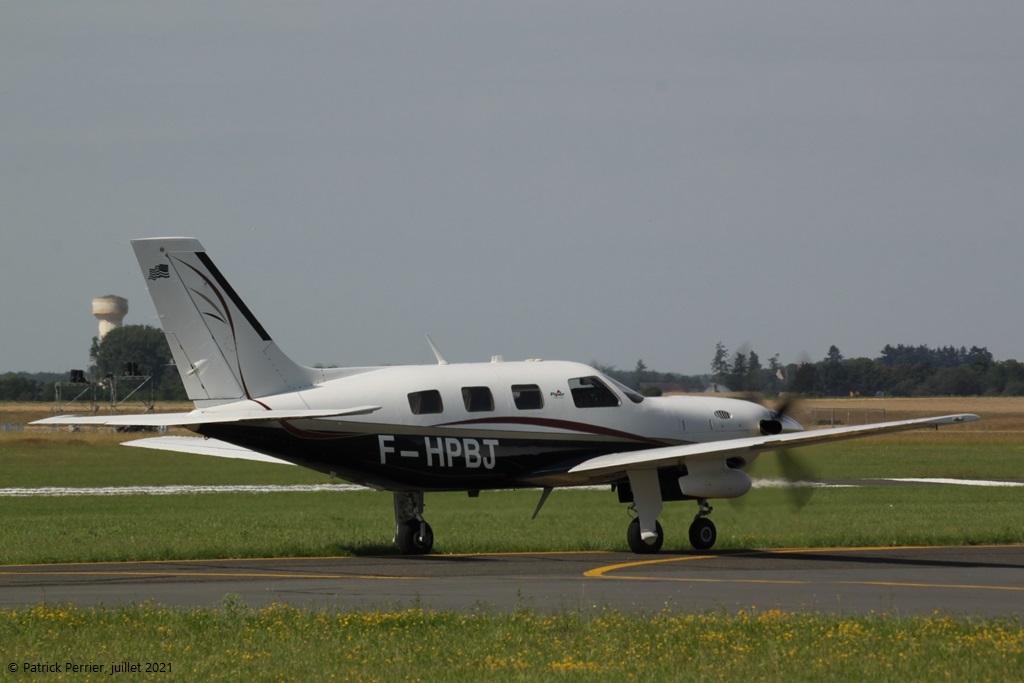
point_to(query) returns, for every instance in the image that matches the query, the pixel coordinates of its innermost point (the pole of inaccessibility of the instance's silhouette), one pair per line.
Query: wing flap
(199, 417)
(654, 458)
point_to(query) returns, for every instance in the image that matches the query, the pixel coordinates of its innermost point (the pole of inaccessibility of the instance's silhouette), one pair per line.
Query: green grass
(932, 454)
(97, 528)
(283, 643)
(88, 461)
(80, 460)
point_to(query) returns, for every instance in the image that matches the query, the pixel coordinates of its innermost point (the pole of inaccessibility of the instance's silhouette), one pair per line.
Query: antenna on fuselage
(437, 352)
(543, 499)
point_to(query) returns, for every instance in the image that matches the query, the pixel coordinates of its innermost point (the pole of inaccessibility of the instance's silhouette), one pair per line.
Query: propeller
(794, 470)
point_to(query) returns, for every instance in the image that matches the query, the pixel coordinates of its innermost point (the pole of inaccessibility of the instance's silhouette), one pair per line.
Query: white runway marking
(785, 484)
(177, 490)
(54, 491)
(782, 483)
(959, 482)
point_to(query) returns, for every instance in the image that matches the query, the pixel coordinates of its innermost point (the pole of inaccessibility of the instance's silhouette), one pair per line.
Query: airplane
(468, 427)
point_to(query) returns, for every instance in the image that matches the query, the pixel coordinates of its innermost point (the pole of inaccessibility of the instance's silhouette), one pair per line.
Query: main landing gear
(702, 533)
(413, 535)
(644, 534)
(636, 542)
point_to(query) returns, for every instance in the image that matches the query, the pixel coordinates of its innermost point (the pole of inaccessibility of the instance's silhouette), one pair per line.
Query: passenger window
(477, 399)
(590, 392)
(527, 396)
(425, 402)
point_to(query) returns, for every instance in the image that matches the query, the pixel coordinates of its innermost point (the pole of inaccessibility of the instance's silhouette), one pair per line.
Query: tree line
(899, 370)
(904, 370)
(132, 350)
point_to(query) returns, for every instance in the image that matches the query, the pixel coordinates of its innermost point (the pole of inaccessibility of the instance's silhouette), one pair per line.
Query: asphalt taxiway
(970, 580)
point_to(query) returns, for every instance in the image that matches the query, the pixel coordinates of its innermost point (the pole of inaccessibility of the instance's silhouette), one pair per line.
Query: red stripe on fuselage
(567, 425)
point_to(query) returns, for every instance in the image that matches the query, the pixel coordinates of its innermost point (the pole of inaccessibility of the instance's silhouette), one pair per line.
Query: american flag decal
(160, 271)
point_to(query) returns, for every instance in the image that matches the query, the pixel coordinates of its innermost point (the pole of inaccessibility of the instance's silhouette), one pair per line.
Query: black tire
(703, 533)
(412, 542)
(639, 545)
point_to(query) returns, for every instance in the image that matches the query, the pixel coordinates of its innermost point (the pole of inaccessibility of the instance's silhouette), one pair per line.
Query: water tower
(110, 310)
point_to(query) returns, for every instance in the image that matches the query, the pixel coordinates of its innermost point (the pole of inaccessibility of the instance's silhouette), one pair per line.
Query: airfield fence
(847, 416)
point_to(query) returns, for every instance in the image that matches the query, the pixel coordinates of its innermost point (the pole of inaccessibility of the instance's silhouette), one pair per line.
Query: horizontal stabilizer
(201, 446)
(200, 417)
(654, 458)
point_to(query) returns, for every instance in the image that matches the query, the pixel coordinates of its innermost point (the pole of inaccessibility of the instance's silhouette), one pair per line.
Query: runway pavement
(973, 580)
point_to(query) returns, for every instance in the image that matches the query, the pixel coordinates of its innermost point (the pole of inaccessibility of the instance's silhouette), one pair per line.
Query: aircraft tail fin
(222, 351)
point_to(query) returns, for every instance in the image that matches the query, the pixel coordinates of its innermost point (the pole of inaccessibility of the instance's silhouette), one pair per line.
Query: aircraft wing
(654, 458)
(201, 446)
(198, 417)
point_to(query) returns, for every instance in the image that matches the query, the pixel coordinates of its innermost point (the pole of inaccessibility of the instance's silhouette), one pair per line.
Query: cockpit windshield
(630, 393)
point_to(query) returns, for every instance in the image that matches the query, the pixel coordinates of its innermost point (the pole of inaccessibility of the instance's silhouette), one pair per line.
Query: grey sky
(574, 180)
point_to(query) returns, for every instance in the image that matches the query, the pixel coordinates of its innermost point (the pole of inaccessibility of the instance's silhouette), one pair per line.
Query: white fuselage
(482, 425)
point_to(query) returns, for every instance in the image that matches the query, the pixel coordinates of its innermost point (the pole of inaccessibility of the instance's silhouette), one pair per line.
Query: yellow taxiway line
(607, 571)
